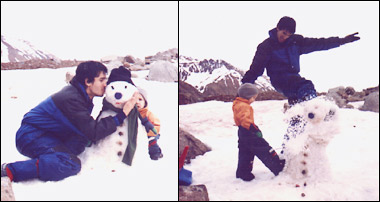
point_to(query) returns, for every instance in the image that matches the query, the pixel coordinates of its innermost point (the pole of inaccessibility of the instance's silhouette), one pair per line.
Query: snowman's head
(322, 118)
(118, 92)
(120, 87)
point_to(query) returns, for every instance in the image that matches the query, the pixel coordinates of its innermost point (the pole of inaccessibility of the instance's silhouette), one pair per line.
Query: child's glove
(154, 150)
(256, 131)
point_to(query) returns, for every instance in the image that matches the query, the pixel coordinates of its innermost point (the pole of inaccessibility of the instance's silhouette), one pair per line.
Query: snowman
(120, 146)
(305, 153)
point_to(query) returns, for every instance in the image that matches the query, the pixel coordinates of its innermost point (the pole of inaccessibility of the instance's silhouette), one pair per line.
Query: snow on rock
(18, 50)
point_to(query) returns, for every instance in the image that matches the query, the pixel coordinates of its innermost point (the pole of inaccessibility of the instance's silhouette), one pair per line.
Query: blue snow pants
(52, 159)
(296, 88)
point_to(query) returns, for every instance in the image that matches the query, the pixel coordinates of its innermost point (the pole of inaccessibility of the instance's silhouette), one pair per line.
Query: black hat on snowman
(120, 74)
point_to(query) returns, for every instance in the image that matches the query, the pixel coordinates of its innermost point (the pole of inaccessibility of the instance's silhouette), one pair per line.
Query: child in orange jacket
(152, 125)
(251, 142)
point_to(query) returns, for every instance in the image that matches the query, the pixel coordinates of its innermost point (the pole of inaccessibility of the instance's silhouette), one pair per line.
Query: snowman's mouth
(118, 103)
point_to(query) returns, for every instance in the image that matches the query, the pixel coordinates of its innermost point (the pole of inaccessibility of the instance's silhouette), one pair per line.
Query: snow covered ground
(353, 155)
(21, 90)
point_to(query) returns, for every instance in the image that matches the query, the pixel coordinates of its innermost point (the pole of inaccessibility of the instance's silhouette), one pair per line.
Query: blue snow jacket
(281, 60)
(64, 118)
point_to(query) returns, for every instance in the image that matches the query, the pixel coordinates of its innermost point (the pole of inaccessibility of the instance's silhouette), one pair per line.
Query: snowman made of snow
(109, 153)
(305, 148)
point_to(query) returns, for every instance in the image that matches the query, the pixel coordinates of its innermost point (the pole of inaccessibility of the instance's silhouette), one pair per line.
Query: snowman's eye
(125, 87)
(112, 88)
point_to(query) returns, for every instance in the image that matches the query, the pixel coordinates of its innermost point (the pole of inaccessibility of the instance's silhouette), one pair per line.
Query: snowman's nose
(118, 95)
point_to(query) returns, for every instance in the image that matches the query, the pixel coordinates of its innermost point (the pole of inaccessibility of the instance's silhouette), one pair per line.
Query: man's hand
(130, 103)
(350, 38)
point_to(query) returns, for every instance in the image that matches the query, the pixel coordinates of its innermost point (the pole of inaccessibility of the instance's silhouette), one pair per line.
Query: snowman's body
(108, 152)
(305, 152)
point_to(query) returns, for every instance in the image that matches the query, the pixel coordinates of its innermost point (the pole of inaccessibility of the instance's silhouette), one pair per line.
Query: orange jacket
(243, 113)
(153, 119)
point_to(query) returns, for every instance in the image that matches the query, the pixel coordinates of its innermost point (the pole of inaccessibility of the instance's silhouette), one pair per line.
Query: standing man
(58, 129)
(280, 53)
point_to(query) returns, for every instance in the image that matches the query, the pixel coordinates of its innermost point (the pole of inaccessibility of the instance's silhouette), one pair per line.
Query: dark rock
(342, 96)
(193, 193)
(371, 102)
(188, 94)
(39, 63)
(196, 147)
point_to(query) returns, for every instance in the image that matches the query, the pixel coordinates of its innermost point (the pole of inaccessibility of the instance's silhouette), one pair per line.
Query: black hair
(287, 23)
(89, 70)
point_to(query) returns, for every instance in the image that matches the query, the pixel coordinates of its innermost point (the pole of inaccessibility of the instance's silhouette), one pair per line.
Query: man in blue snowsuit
(58, 129)
(280, 53)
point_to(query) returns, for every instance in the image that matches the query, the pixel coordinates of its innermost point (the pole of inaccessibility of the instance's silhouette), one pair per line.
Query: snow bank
(353, 155)
(21, 90)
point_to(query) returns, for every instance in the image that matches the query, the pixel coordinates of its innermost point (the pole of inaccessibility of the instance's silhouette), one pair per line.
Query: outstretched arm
(309, 45)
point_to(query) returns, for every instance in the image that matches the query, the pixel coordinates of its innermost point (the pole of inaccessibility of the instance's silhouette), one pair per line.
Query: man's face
(97, 88)
(282, 35)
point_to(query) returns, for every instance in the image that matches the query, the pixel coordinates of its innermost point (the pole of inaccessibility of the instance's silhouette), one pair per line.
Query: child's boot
(245, 165)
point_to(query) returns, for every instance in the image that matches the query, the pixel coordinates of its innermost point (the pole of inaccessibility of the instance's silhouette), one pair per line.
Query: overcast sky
(232, 31)
(220, 30)
(90, 30)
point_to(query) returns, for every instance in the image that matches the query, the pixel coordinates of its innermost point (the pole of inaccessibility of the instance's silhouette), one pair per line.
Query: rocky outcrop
(168, 55)
(163, 71)
(343, 96)
(371, 103)
(193, 193)
(188, 94)
(39, 63)
(196, 147)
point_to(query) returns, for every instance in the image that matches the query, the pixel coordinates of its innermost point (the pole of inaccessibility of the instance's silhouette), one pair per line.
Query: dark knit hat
(247, 91)
(120, 74)
(287, 23)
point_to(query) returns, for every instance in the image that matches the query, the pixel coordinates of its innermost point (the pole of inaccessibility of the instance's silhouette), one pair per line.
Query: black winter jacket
(282, 59)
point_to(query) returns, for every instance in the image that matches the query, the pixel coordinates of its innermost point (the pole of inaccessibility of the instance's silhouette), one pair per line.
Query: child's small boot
(271, 161)
(245, 165)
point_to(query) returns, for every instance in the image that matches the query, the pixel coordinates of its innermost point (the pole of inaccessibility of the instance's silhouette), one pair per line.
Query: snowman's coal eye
(112, 88)
(125, 87)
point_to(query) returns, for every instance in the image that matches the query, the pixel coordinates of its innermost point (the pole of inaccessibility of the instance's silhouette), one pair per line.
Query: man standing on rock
(280, 53)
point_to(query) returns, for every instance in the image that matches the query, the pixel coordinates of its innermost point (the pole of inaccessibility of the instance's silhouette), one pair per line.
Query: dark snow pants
(296, 88)
(51, 160)
(250, 146)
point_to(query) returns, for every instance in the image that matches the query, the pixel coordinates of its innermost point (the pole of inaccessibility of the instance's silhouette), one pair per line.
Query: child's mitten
(154, 150)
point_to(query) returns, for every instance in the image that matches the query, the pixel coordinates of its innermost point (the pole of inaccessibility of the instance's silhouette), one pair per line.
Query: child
(151, 123)
(251, 142)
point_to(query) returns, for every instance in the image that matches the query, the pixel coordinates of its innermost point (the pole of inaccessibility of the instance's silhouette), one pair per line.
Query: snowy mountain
(210, 77)
(216, 80)
(19, 50)
(215, 77)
